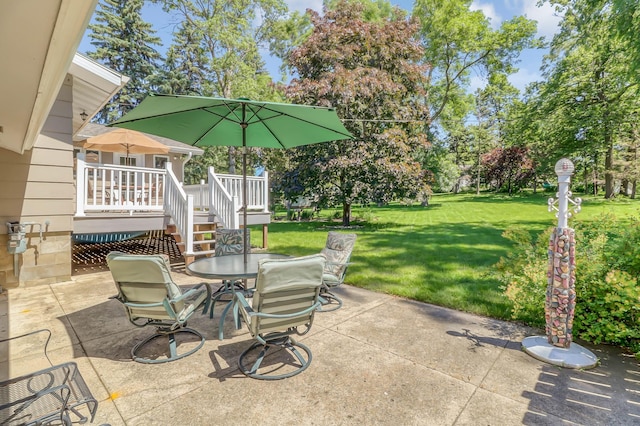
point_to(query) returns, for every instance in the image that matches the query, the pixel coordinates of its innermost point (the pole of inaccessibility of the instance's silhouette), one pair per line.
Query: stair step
(209, 231)
(197, 242)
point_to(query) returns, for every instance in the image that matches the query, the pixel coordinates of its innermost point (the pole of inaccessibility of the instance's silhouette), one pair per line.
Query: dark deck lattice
(89, 258)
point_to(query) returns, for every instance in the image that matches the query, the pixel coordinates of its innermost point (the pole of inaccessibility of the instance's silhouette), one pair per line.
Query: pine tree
(125, 43)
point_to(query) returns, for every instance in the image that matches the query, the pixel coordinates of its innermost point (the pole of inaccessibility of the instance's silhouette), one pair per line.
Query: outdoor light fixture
(83, 115)
(564, 167)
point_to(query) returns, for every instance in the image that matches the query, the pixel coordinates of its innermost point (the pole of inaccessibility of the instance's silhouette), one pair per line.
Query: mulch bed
(90, 258)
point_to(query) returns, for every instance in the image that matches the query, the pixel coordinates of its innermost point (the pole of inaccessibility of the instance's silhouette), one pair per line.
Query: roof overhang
(93, 86)
(38, 41)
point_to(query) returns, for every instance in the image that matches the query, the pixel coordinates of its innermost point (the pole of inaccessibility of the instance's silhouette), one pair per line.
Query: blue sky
(497, 10)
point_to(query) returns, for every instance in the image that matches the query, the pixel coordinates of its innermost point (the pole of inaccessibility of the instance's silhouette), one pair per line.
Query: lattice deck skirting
(90, 258)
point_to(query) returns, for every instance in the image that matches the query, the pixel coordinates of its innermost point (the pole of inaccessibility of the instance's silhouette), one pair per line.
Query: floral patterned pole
(561, 279)
(556, 347)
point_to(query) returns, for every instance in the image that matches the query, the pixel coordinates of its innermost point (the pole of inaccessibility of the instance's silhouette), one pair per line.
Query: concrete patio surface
(378, 360)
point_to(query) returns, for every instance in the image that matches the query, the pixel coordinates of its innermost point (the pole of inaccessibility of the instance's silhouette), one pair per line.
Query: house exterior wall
(38, 187)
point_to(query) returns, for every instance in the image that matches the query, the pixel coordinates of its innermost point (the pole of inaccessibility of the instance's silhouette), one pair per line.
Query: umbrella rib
(223, 117)
(280, 113)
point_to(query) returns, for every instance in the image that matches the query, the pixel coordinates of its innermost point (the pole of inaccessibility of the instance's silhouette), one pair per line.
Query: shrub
(307, 214)
(607, 271)
(523, 273)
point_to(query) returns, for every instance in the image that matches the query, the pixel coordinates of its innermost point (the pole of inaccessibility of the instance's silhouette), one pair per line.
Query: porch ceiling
(38, 40)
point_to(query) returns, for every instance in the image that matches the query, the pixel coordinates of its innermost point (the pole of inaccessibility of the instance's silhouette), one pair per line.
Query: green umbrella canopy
(203, 121)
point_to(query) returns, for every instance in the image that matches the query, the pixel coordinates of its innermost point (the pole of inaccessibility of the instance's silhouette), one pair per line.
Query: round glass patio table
(229, 268)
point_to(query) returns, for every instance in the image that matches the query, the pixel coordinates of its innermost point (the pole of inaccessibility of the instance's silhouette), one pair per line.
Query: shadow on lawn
(447, 264)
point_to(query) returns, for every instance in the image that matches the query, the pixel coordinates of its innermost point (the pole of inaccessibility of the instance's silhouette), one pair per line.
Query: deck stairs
(204, 238)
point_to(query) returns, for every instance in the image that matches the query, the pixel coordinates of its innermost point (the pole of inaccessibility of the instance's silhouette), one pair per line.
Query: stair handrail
(179, 206)
(257, 189)
(225, 206)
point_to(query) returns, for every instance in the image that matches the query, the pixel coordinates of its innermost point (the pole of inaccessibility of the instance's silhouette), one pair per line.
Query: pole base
(575, 356)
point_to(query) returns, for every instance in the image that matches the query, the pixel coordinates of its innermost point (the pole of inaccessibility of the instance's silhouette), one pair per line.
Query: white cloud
(489, 11)
(302, 5)
(547, 18)
(523, 77)
(477, 82)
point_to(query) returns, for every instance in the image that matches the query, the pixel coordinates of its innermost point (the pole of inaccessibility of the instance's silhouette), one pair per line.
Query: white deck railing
(222, 196)
(180, 206)
(110, 188)
(123, 189)
(222, 203)
(257, 189)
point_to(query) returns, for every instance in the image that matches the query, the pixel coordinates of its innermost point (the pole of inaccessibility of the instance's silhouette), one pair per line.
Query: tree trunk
(232, 160)
(346, 214)
(608, 168)
(478, 176)
(633, 190)
(624, 187)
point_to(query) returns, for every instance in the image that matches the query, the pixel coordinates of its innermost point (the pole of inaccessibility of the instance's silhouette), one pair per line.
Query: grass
(441, 254)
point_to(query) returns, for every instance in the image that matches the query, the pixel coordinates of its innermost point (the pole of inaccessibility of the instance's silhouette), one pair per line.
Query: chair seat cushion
(330, 279)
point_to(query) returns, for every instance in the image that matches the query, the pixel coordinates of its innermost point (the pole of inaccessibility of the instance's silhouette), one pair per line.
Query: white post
(189, 226)
(265, 189)
(80, 184)
(564, 169)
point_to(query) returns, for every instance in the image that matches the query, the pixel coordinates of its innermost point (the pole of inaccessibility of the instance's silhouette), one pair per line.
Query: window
(160, 161)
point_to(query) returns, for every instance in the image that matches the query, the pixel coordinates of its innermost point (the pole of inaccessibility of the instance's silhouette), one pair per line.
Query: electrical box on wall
(17, 238)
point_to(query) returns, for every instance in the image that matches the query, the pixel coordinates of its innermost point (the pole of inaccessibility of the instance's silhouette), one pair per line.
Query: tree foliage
(371, 73)
(216, 52)
(588, 95)
(125, 43)
(508, 169)
(458, 40)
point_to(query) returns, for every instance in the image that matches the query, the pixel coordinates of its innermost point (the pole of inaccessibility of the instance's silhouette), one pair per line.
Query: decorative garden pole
(560, 302)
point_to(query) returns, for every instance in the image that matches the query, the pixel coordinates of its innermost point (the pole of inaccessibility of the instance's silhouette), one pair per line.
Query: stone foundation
(46, 261)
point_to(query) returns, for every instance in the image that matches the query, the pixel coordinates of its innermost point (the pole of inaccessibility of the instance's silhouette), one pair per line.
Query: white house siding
(38, 187)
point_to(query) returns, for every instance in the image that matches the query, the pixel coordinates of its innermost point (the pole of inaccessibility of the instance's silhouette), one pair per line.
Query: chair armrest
(191, 291)
(143, 305)
(239, 298)
(338, 263)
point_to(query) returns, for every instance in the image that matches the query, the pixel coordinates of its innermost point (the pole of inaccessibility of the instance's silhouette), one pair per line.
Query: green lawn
(442, 254)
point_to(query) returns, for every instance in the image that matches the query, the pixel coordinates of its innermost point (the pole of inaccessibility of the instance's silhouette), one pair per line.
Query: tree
(458, 40)
(508, 168)
(217, 48)
(588, 94)
(124, 43)
(371, 73)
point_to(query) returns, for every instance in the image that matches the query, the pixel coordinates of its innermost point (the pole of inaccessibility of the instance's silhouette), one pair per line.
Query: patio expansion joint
(479, 385)
(84, 350)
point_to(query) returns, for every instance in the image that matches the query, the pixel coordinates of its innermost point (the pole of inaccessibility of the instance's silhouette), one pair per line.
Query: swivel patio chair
(229, 241)
(152, 298)
(338, 251)
(285, 299)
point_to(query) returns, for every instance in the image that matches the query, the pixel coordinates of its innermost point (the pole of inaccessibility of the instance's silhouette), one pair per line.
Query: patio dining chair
(151, 298)
(337, 250)
(228, 242)
(285, 299)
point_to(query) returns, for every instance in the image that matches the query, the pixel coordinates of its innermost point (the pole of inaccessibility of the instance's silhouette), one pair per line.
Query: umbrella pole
(244, 199)
(244, 179)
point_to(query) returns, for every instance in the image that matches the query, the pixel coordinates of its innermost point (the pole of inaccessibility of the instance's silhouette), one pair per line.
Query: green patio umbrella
(204, 121)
